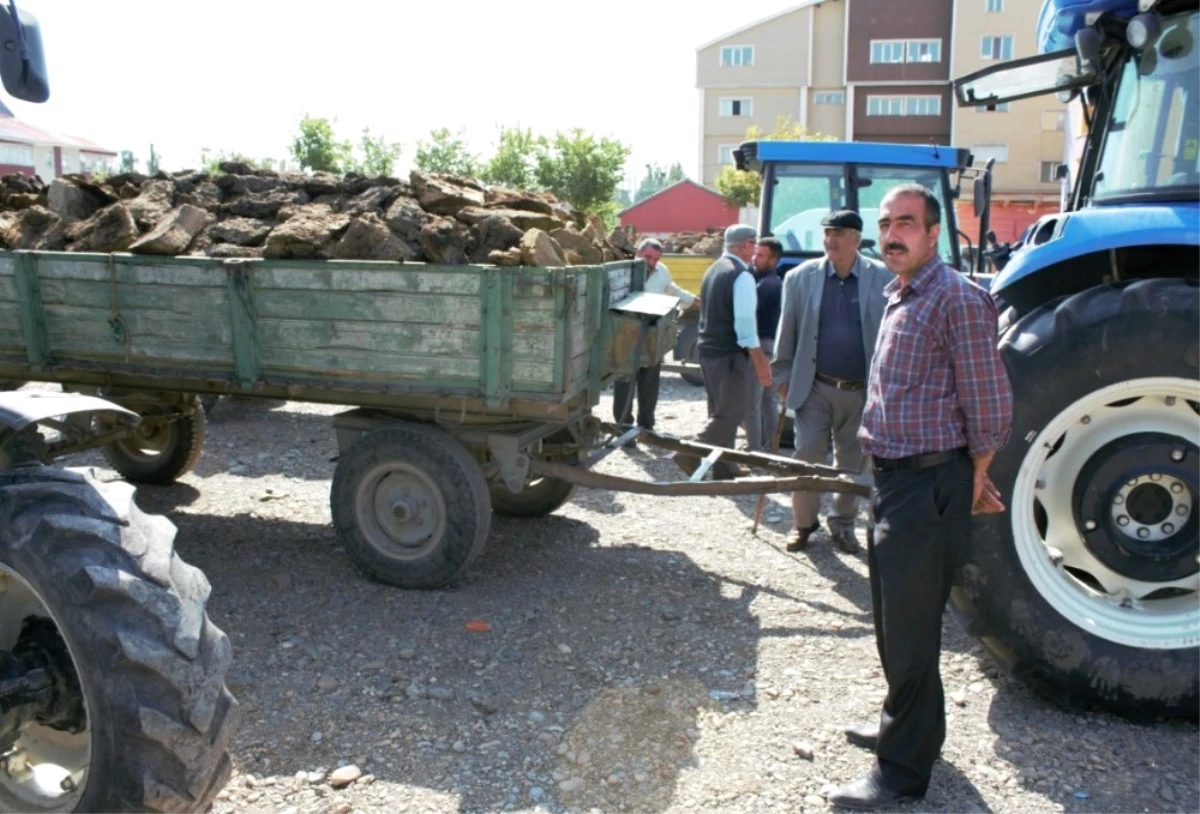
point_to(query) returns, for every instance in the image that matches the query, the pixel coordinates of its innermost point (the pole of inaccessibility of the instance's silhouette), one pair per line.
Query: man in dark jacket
(762, 413)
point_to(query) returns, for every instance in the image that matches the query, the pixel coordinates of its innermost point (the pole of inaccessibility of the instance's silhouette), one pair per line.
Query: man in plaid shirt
(938, 407)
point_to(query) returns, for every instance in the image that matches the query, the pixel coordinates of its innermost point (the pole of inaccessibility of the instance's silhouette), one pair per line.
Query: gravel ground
(644, 655)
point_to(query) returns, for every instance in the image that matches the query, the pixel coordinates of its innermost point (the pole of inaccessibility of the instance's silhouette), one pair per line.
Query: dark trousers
(645, 388)
(922, 522)
(727, 381)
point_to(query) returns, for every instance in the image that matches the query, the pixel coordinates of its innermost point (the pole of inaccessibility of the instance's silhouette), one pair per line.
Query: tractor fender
(19, 409)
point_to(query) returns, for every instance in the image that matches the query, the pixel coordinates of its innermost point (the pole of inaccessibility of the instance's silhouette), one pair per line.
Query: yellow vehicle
(687, 271)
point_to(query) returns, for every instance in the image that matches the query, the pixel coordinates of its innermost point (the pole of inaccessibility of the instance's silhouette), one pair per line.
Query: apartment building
(1025, 137)
(768, 69)
(880, 70)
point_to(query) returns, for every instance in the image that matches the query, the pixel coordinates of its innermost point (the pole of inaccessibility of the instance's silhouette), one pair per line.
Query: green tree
(316, 148)
(447, 153)
(378, 154)
(514, 163)
(742, 188)
(582, 169)
(657, 179)
(128, 162)
(152, 165)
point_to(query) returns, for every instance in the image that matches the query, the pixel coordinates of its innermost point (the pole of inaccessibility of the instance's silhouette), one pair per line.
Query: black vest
(717, 334)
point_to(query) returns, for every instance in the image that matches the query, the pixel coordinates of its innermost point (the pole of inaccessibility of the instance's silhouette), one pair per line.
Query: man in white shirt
(645, 386)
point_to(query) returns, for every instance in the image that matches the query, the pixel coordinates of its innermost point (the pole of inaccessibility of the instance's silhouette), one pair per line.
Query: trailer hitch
(38, 684)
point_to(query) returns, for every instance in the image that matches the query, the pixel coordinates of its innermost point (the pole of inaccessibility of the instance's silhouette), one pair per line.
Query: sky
(238, 76)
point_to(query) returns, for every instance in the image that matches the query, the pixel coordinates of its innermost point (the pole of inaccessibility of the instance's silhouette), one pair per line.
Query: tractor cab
(805, 180)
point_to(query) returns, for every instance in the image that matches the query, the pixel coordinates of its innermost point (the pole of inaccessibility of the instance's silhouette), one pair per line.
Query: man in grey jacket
(830, 319)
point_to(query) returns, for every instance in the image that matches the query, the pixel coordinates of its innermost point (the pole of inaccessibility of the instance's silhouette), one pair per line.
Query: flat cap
(739, 232)
(843, 219)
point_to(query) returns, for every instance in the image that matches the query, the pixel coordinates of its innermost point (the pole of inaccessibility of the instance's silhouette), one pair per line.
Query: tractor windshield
(802, 194)
(1151, 147)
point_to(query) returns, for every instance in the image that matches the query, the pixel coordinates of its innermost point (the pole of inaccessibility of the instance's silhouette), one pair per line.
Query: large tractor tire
(1087, 586)
(160, 453)
(411, 506)
(135, 715)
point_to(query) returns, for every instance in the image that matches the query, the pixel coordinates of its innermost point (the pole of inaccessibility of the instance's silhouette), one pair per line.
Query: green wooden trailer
(470, 388)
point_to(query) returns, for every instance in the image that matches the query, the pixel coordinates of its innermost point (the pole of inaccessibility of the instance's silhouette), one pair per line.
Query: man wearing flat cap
(731, 357)
(832, 307)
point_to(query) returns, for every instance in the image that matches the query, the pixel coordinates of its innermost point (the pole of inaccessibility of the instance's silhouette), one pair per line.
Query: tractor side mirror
(978, 196)
(22, 60)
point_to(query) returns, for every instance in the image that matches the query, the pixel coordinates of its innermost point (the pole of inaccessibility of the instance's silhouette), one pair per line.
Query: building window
(904, 105)
(983, 152)
(1050, 171)
(1000, 108)
(19, 155)
(737, 56)
(829, 97)
(725, 153)
(1053, 120)
(995, 47)
(737, 107)
(924, 51)
(887, 51)
(995, 6)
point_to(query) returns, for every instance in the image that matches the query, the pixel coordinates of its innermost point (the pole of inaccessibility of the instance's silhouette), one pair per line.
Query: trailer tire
(97, 586)
(687, 349)
(162, 453)
(411, 506)
(1072, 601)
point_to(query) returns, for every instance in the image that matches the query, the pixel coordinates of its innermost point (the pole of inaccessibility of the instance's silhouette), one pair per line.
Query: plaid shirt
(936, 380)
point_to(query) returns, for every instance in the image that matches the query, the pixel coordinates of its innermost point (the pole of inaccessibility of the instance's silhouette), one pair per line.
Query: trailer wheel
(134, 714)
(1087, 587)
(160, 453)
(687, 349)
(411, 506)
(541, 496)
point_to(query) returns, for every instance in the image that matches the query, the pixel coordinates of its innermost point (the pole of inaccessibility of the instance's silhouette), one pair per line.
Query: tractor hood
(1058, 238)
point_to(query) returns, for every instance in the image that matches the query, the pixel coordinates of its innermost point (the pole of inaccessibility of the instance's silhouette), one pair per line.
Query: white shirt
(660, 282)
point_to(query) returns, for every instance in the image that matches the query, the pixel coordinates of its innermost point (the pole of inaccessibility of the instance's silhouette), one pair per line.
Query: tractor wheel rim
(1051, 532)
(47, 769)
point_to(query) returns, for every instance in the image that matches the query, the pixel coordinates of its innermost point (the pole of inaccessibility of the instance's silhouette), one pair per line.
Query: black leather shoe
(864, 735)
(869, 794)
(845, 540)
(800, 541)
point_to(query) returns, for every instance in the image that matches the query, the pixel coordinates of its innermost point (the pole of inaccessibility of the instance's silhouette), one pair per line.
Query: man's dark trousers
(646, 392)
(922, 522)
(728, 379)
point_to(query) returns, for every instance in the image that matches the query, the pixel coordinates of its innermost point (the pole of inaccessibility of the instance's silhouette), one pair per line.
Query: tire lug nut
(1090, 525)
(1170, 400)
(1123, 520)
(1168, 528)
(1118, 500)
(1056, 556)
(1132, 482)
(1177, 454)
(1143, 532)
(1182, 511)
(1087, 419)
(1156, 477)
(1176, 487)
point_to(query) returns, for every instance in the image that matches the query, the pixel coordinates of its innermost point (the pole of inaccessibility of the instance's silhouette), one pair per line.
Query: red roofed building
(685, 206)
(31, 150)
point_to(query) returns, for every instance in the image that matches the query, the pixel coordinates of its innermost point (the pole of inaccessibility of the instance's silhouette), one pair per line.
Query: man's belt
(915, 463)
(841, 384)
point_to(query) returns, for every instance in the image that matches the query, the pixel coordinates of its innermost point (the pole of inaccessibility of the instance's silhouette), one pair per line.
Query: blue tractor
(1089, 586)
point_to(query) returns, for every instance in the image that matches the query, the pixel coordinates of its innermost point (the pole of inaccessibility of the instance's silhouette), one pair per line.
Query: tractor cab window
(875, 182)
(803, 194)
(1152, 144)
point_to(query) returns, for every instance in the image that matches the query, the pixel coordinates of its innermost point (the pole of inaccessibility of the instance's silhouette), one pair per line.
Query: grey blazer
(795, 361)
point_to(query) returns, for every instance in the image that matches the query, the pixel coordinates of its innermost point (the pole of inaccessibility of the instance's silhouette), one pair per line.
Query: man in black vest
(730, 355)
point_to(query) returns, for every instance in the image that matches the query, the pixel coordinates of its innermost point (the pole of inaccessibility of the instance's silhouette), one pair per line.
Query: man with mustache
(939, 406)
(830, 319)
